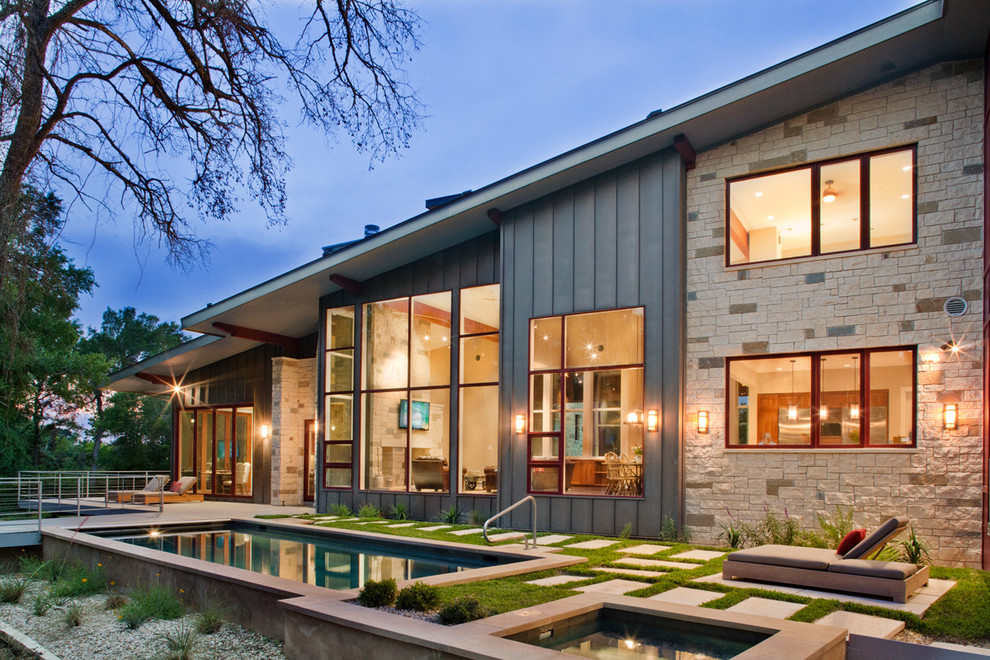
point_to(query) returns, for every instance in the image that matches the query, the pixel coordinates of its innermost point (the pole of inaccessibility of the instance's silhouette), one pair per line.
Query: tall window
(586, 403)
(406, 394)
(856, 203)
(338, 436)
(478, 418)
(861, 398)
(216, 445)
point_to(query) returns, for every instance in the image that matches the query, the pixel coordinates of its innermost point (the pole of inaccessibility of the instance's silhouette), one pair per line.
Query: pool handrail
(484, 530)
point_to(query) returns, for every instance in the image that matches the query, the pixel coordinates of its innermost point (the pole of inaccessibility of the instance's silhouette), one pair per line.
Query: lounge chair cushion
(815, 559)
(881, 535)
(850, 541)
(891, 570)
(183, 485)
(153, 485)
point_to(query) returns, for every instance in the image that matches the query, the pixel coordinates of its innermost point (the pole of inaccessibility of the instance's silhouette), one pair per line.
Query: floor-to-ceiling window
(586, 403)
(478, 376)
(216, 445)
(405, 394)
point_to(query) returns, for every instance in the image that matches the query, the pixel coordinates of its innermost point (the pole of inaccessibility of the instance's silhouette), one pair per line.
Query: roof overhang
(172, 367)
(934, 31)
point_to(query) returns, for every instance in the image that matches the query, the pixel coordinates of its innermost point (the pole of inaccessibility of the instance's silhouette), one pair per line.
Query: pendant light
(829, 194)
(854, 408)
(823, 409)
(792, 409)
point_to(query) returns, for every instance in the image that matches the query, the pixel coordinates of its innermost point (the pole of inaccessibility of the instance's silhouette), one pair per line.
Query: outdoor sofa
(822, 568)
(179, 492)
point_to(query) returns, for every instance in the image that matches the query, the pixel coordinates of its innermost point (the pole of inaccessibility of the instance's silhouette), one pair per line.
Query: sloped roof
(934, 31)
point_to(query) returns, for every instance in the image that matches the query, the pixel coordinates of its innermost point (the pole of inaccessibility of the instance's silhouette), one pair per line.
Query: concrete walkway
(177, 512)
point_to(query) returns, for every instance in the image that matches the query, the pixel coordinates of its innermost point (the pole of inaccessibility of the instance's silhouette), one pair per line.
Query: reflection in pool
(609, 634)
(312, 558)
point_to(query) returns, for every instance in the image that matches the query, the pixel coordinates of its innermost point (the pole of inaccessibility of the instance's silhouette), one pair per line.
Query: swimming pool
(306, 556)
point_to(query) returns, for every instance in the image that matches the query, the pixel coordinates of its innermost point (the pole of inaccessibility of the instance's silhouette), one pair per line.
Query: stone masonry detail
(875, 298)
(293, 402)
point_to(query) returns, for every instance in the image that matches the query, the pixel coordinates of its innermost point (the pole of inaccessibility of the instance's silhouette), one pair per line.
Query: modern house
(770, 296)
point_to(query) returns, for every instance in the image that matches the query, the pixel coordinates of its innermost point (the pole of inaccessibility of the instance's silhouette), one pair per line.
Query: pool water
(311, 558)
(609, 634)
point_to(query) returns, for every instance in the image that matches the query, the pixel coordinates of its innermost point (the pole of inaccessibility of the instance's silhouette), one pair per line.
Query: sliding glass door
(216, 445)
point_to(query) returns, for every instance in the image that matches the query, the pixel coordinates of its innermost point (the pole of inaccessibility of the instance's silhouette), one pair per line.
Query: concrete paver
(686, 596)
(557, 579)
(614, 586)
(704, 555)
(594, 544)
(778, 609)
(863, 624)
(644, 549)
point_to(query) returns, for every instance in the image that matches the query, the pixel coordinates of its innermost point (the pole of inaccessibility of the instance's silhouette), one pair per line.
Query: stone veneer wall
(881, 297)
(293, 402)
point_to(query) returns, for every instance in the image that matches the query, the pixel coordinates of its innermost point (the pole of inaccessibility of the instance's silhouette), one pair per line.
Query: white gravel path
(103, 635)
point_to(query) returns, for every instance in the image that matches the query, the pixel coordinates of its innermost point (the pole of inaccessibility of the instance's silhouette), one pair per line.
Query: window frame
(558, 435)
(213, 408)
(327, 465)
(864, 204)
(864, 399)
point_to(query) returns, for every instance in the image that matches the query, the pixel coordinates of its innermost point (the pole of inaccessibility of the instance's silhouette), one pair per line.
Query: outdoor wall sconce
(951, 346)
(520, 424)
(652, 420)
(264, 431)
(949, 416)
(702, 421)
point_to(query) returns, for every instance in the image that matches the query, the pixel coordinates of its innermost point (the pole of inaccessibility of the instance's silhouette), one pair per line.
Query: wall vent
(955, 306)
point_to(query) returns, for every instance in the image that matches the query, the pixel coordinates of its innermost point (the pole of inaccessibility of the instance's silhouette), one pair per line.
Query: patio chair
(179, 492)
(822, 568)
(154, 485)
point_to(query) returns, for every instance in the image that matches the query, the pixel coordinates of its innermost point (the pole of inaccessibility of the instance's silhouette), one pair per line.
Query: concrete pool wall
(254, 597)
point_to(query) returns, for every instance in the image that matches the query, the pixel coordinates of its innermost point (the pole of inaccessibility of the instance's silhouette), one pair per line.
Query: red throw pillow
(850, 541)
(177, 486)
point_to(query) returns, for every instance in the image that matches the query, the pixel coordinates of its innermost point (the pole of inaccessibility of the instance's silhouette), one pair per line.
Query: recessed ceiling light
(905, 196)
(769, 217)
(758, 194)
(906, 168)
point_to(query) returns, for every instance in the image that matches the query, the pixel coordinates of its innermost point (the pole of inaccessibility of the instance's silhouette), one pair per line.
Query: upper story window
(857, 203)
(852, 398)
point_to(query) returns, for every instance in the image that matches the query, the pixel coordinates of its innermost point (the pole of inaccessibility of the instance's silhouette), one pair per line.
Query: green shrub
(38, 569)
(115, 601)
(399, 511)
(420, 597)
(476, 517)
(12, 588)
(41, 604)
(339, 509)
(462, 610)
(133, 614)
(213, 609)
(151, 603)
(833, 527)
(378, 593)
(671, 533)
(75, 580)
(72, 615)
(451, 516)
(369, 511)
(732, 536)
(180, 644)
(772, 530)
(626, 531)
(914, 550)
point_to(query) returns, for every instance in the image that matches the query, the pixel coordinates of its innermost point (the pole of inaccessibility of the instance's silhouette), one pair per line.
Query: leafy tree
(125, 338)
(141, 427)
(113, 86)
(43, 379)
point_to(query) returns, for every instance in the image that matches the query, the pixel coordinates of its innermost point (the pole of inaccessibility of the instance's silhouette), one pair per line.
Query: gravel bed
(103, 635)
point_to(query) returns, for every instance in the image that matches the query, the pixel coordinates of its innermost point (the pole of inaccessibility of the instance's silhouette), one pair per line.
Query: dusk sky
(506, 84)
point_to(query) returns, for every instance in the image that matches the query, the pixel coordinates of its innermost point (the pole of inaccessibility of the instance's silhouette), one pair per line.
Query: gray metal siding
(614, 241)
(242, 378)
(472, 263)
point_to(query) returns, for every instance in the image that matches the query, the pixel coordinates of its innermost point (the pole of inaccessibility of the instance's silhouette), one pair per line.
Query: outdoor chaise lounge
(154, 485)
(822, 568)
(179, 492)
